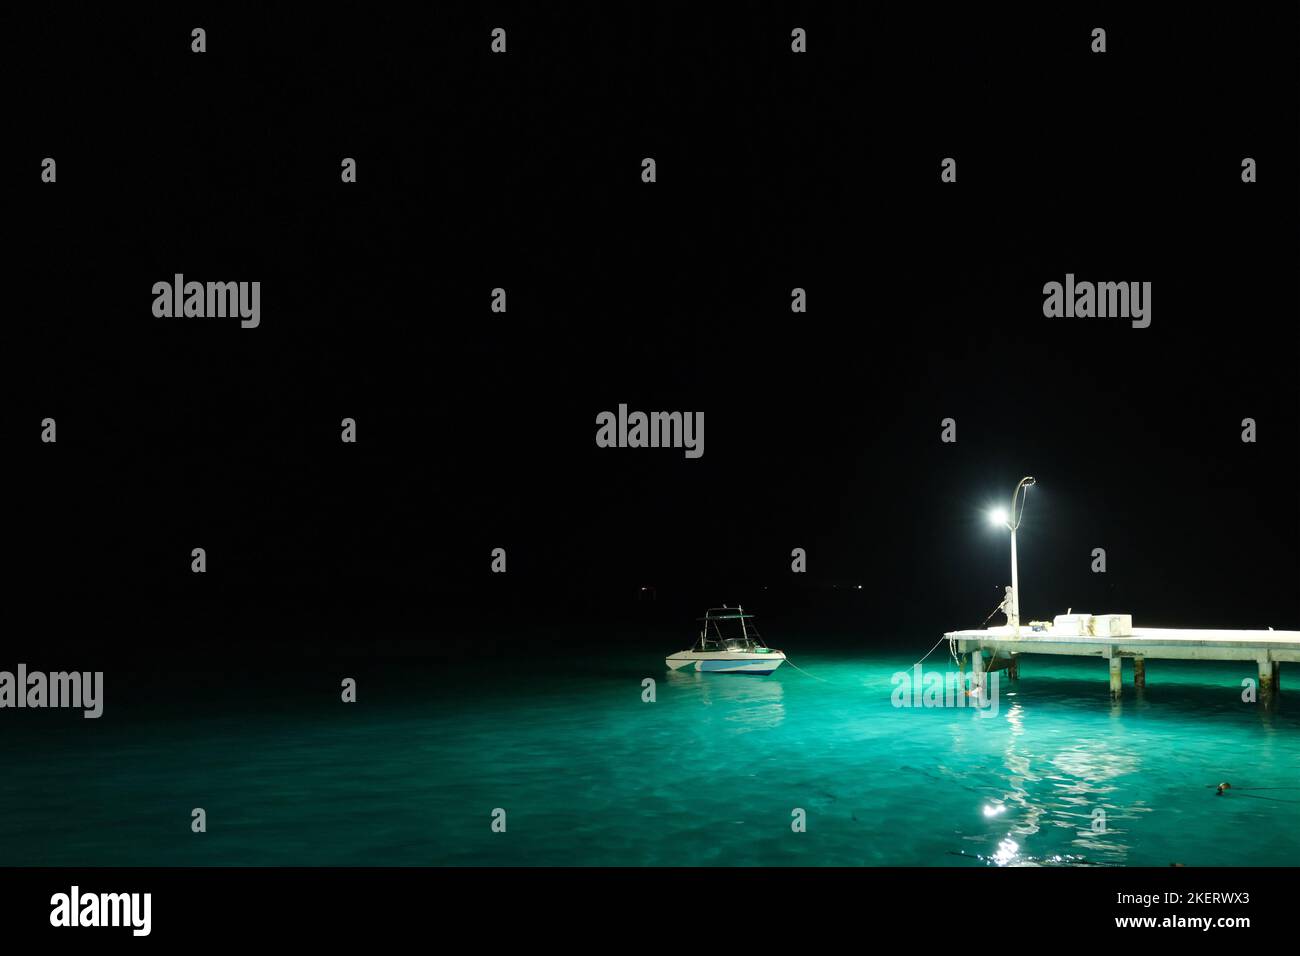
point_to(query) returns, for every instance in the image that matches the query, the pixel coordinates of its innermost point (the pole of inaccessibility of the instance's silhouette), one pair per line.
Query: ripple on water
(708, 774)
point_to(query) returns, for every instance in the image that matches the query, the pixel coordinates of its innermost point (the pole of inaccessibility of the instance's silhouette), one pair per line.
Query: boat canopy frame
(746, 642)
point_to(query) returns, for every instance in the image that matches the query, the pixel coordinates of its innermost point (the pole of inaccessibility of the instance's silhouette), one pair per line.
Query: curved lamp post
(1011, 521)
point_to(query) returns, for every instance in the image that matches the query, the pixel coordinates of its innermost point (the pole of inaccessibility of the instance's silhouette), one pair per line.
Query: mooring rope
(936, 644)
(805, 673)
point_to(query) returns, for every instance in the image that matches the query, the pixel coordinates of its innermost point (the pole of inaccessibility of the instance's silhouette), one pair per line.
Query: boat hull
(726, 662)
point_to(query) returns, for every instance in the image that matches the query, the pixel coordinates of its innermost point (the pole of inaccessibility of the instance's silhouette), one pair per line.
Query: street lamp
(1011, 521)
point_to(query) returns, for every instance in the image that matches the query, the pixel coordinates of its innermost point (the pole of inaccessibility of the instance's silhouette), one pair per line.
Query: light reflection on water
(748, 701)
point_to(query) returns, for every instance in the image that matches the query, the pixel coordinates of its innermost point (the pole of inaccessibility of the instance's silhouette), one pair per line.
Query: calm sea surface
(707, 774)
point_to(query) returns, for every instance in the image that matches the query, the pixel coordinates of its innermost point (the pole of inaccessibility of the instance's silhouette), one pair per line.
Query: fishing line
(1223, 788)
(994, 611)
(1273, 799)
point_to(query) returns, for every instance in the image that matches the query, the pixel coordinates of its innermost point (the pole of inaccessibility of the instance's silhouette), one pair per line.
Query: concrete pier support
(1267, 684)
(1003, 647)
(977, 672)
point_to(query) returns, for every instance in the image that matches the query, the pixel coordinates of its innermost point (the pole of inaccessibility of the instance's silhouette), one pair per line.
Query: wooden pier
(1005, 645)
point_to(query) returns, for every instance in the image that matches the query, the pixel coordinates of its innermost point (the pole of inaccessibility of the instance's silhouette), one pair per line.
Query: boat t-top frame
(718, 641)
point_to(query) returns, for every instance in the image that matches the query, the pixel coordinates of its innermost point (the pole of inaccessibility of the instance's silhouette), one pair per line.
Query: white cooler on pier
(1112, 625)
(1074, 625)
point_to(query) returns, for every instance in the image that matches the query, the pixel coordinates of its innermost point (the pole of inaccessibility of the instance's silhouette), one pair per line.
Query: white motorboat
(728, 648)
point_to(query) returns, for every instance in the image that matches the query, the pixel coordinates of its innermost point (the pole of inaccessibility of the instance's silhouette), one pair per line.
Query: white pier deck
(1267, 649)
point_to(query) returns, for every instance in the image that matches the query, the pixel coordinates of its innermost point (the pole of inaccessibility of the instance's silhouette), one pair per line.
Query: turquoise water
(708, 774)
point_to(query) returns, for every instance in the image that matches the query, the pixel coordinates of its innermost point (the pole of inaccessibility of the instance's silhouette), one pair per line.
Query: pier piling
(1005, 645)
(977, 672)
(1267, 686)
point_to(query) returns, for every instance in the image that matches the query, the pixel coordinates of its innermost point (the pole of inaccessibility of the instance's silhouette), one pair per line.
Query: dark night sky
(477, 430)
